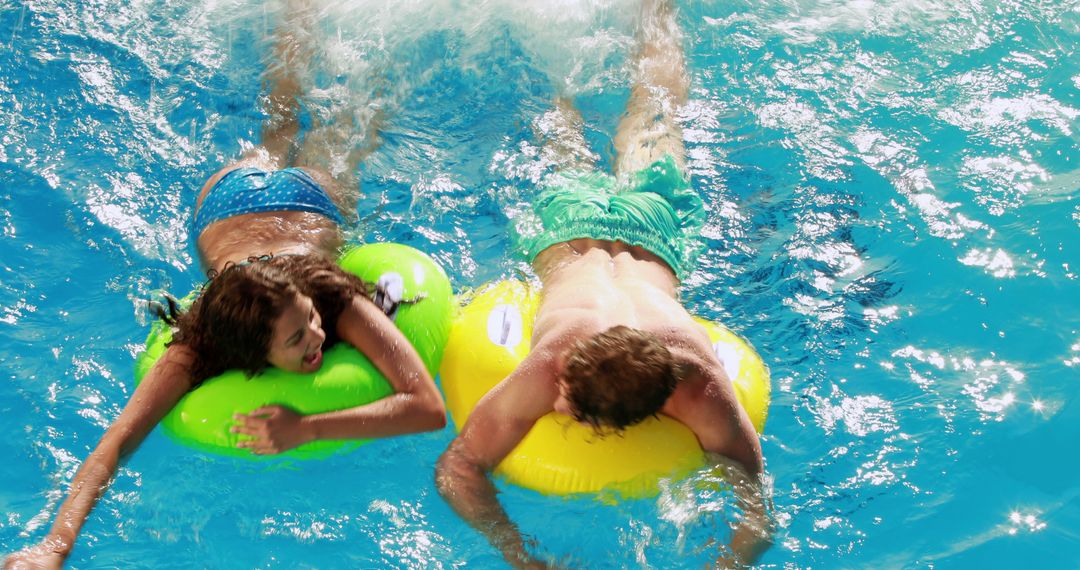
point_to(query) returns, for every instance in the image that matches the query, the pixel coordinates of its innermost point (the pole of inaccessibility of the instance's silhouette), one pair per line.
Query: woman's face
(296, 344)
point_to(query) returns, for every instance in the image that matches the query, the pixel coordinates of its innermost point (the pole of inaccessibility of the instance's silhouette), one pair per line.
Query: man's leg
(562, 132)
(648, 130)
(563, 146)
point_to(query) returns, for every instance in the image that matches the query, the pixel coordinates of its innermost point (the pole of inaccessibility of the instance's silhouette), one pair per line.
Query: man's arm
(498, 423)
(705, 401)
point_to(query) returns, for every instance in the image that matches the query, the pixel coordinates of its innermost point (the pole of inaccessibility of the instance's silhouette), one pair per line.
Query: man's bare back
(590, 286)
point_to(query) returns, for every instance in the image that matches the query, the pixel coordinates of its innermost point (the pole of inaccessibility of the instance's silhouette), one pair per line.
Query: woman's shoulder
(176, 366)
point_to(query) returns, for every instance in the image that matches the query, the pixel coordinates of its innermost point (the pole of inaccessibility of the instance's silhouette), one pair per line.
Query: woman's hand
(49, 553)
(273, 429)
(159, 391)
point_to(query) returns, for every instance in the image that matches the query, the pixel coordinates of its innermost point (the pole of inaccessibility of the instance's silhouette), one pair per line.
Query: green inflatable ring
(346, 379)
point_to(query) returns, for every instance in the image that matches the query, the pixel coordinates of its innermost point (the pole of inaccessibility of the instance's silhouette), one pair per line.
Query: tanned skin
(416, 404)
(590, 286)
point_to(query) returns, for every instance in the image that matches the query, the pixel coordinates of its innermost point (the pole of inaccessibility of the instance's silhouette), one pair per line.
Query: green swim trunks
(655, 209)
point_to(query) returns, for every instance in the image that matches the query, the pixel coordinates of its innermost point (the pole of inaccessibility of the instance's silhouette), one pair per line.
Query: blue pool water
(893, 222)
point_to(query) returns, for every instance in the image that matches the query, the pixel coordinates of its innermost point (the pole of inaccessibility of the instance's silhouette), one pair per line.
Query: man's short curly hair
(617, 378)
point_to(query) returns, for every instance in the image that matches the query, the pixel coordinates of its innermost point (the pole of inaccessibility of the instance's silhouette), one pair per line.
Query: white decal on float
(729, 357)
(389, 291)
(505, 326)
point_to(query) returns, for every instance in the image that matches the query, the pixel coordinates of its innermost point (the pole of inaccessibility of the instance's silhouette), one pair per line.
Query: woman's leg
(292, 52)
(335, 147)
(648, 130)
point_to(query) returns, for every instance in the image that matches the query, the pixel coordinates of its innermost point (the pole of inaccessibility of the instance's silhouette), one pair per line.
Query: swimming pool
(893, 222)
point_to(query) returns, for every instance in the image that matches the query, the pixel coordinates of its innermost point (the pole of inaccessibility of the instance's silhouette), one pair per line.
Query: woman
(276, 298)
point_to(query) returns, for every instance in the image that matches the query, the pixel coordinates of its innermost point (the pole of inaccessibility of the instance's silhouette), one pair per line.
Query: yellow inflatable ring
(491, 335)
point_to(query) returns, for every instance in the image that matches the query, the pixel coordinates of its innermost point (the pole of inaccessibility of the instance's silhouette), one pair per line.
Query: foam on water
(892, 221)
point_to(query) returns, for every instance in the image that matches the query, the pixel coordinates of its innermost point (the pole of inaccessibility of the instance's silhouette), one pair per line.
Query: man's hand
(752, 532)
(273, 429)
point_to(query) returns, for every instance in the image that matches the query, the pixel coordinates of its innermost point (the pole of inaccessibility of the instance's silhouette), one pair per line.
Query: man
(611, 343)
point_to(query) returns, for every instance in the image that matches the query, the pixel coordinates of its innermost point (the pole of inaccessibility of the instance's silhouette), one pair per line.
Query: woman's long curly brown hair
(231, 323)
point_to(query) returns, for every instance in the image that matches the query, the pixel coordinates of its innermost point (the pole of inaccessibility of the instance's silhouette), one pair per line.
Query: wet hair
(230, 324)
(617, 378)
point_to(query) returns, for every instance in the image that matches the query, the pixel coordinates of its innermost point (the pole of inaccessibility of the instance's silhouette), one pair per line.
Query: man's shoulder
(683, 333)
(528, 392)
(692, 349)
(558, 328)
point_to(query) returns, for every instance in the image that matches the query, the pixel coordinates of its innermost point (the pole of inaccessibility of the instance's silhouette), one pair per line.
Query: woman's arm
(415, 405)
(164, 385)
